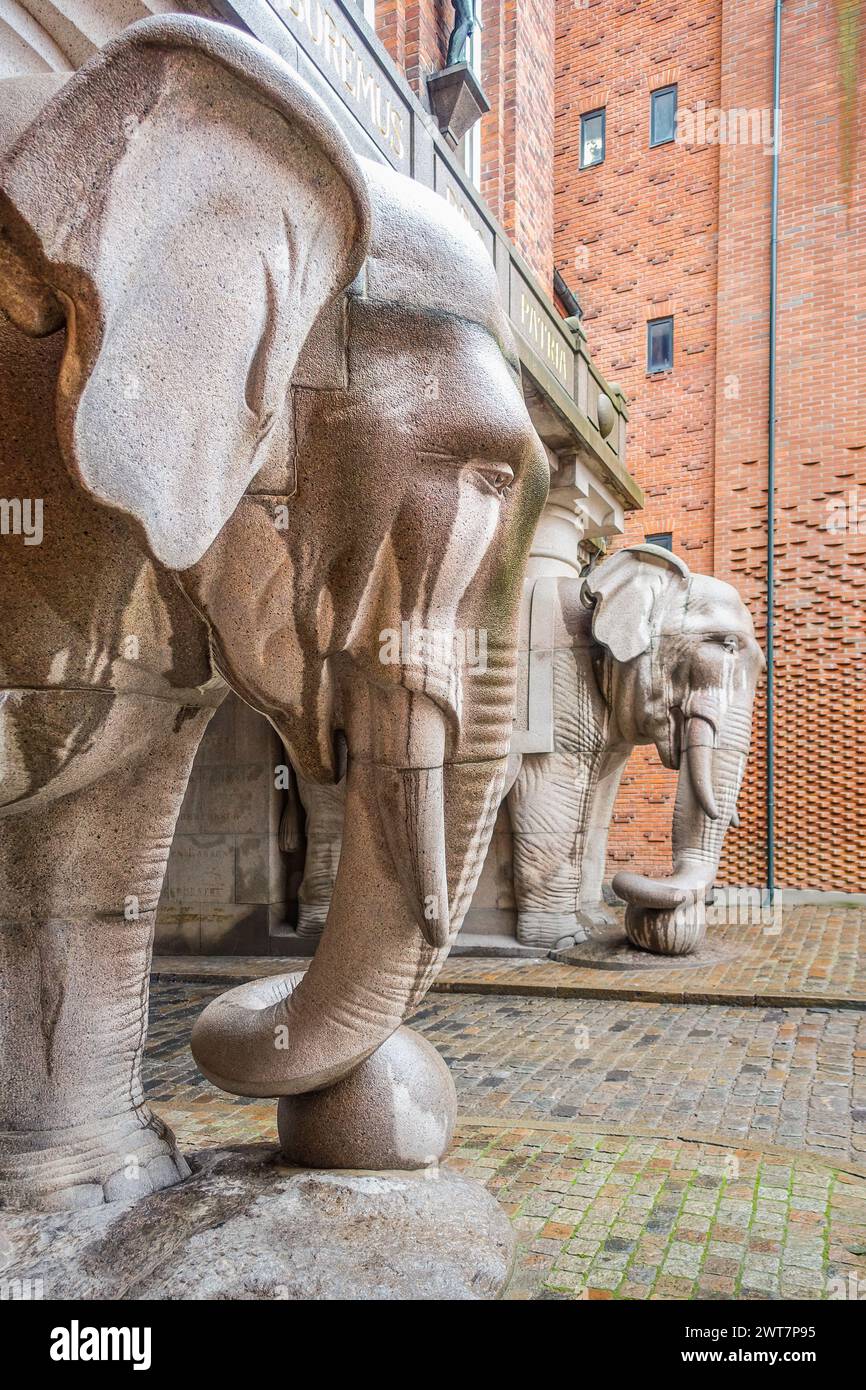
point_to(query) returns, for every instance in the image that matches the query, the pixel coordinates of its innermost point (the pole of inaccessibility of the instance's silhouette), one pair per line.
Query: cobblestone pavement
(806, 955)
(789, 1077)
(603, 1216)
(794, 1078)
(562, 1103)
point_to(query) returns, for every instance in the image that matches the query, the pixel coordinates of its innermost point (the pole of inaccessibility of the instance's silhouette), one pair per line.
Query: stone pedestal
(612, 950)
(457, 101)
(245, 1226)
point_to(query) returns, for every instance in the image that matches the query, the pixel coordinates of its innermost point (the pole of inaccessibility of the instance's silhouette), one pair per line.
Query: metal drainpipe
(771, 461)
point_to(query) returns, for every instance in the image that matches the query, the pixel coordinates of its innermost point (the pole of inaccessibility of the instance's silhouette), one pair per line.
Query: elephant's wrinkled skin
(173, 222)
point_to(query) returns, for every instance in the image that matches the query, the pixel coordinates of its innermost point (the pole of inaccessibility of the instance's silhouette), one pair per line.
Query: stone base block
(487, 944)
(246, 1226)
(285, 941)
(616, 952)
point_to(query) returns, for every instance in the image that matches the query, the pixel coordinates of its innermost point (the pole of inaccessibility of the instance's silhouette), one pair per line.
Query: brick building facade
(637, 234)
(680, 229)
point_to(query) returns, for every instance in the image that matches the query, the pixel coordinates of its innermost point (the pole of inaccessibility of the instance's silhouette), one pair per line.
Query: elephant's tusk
(408, 762)
(699, 761)
(698, 742)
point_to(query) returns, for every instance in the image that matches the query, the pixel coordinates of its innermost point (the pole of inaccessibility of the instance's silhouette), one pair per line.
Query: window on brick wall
(592, 139)
(660, 345)
(663, 115)
(663, 539)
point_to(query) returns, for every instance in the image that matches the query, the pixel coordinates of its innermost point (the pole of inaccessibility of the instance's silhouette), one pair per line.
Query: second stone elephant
(641, 651)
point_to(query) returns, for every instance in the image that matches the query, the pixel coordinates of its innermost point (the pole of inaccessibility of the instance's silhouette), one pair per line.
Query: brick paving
(789, 1077)
(817, 956)
(809, 954)
(747, 1188)
(611, 1216)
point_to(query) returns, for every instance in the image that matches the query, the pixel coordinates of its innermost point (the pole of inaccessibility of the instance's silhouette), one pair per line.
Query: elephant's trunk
(416, 832)
(667, 915)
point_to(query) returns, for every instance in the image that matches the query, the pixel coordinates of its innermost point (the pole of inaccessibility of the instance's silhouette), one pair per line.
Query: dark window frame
(588, 116)
(651, 323)
(661, 92)
(663, 539)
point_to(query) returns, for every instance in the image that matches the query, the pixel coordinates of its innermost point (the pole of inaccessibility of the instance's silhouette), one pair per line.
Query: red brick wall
(415, 33)
(497, 127)
(821, 436)
(391, 28)
(636, 235)
(685, 230)
(522, 160)
(741, 436)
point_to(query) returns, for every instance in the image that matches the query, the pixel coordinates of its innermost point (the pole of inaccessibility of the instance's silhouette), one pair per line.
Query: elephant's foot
(86, 1165)
(598, 920)
(396, 1110)
(546, 929)
(572, 938)
(595, 923)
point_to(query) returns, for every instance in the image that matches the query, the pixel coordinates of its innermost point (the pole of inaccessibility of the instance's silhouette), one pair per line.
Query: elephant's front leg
(80, 879)
(549, 807)
(593, 915)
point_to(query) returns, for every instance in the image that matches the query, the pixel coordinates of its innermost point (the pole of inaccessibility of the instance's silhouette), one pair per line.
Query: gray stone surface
(245, 1226)
(227, 880)
(616, 952)
(396, 1110)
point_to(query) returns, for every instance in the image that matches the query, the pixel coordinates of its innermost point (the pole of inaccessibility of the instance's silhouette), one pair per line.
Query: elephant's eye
(728, 640)
(496, 477)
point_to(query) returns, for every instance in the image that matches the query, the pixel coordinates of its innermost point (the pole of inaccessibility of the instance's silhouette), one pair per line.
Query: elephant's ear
(625, 591)
(188, 206)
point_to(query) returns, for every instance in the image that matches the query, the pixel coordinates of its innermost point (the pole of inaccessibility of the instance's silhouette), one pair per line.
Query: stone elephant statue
(182, 228)
(641, 651)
